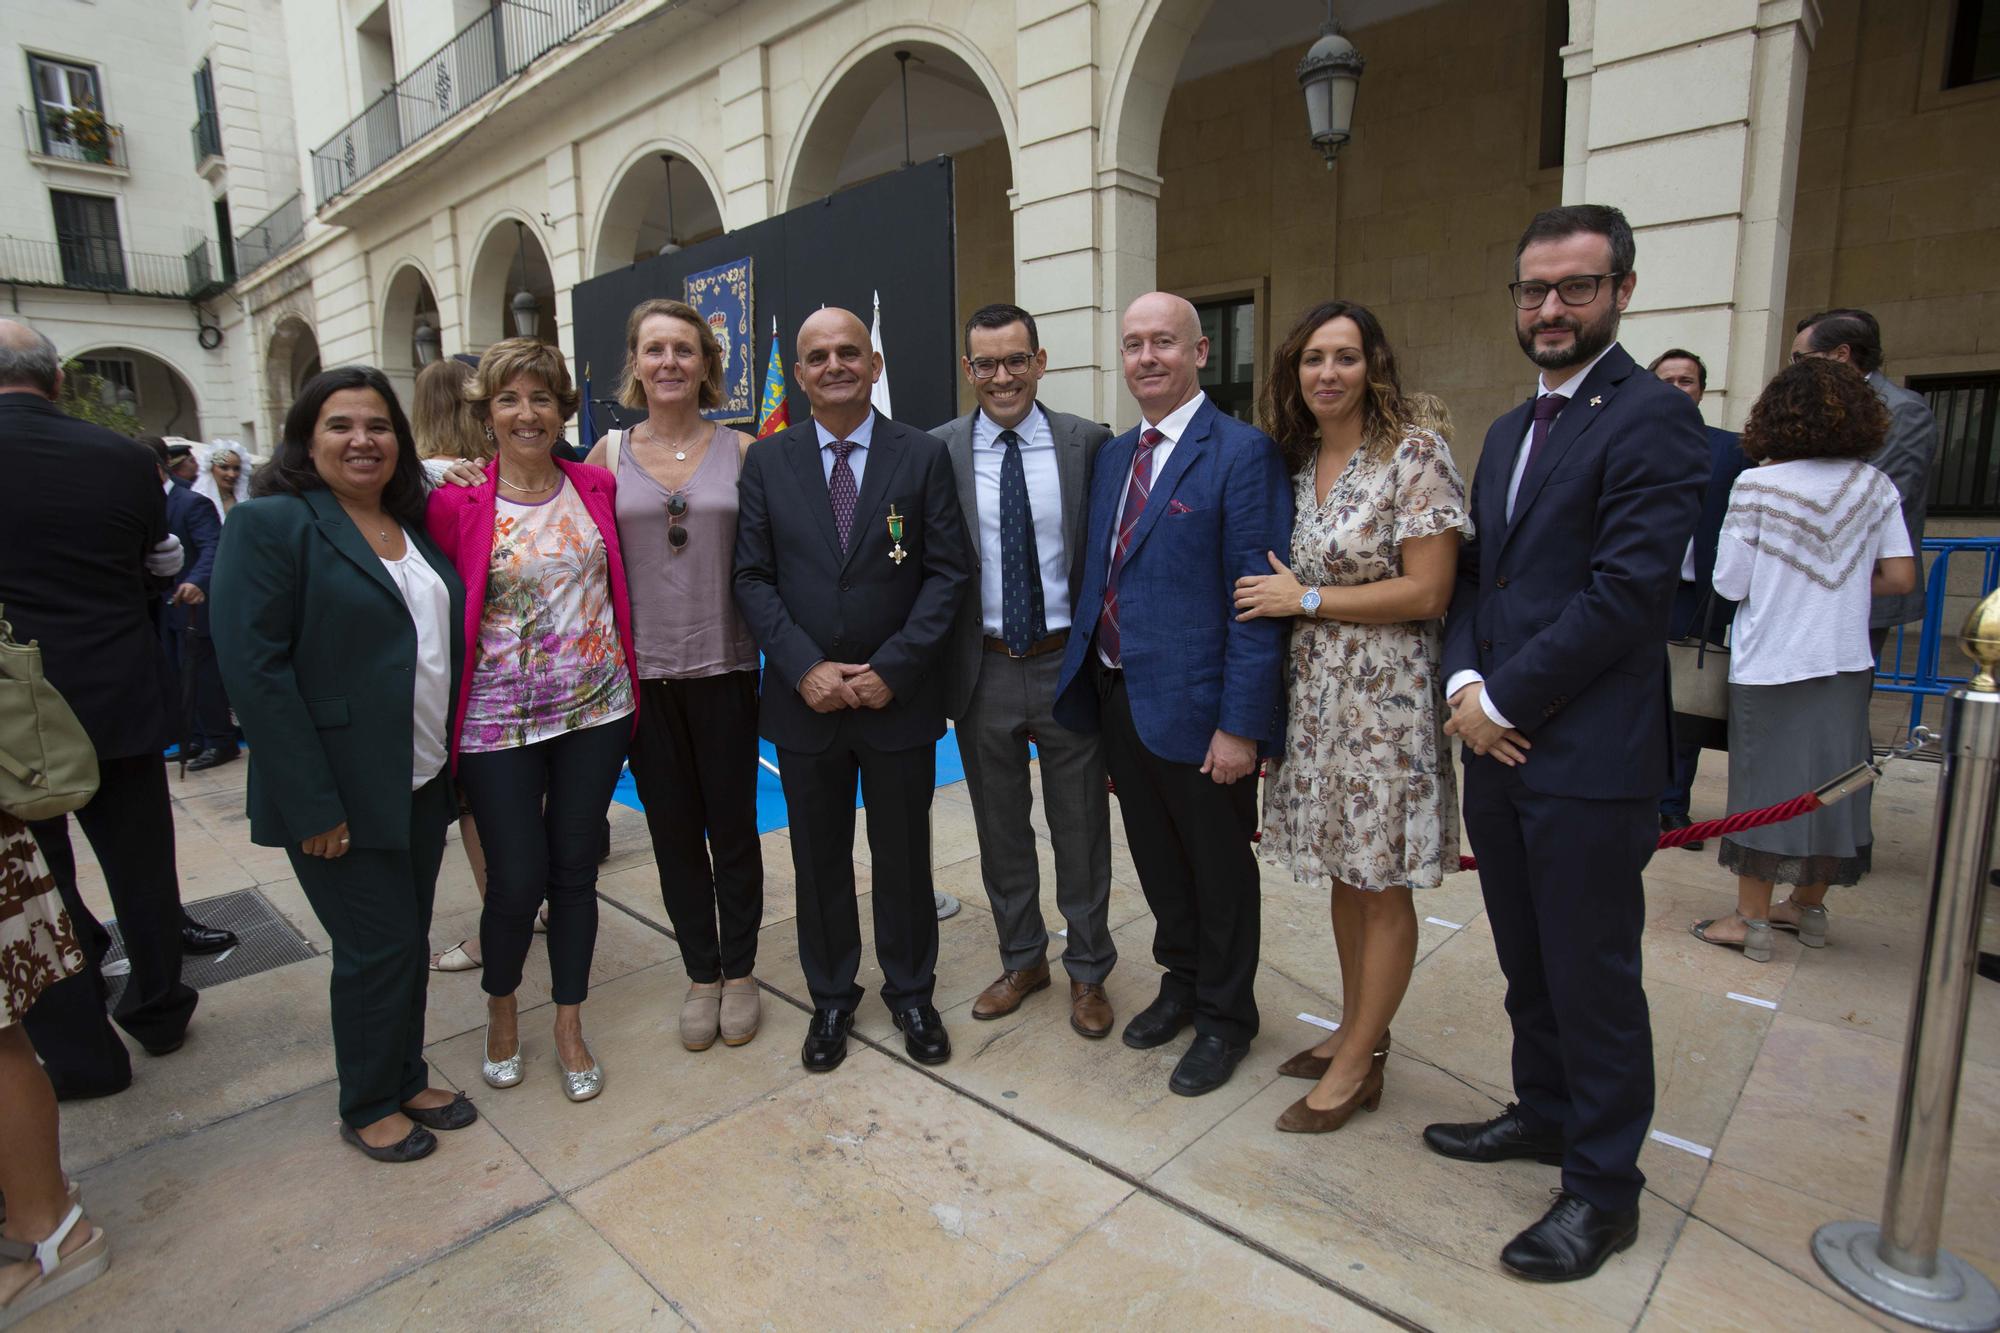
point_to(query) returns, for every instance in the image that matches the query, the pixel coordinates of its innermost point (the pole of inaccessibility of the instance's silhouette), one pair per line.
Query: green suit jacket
(318, 653)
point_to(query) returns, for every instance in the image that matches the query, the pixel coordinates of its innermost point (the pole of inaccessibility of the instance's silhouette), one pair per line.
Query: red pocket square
(1176, 507)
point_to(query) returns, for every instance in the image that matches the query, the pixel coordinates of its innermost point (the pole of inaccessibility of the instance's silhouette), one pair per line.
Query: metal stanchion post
(1898, 1266)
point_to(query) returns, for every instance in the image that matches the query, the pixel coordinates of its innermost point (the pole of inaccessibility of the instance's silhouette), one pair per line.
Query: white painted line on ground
(1319, 1022)
(1448, 925)
(1751, 999)
(1675, 1141)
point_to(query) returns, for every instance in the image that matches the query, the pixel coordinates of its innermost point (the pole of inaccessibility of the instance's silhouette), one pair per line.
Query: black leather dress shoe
(1207, 1065)
(826, 1040)
(1572, 1240)
(208, 759)
(924, 1036)
(1668, 823)
(1505, 1136)
(1157, 1024)
(199, 939)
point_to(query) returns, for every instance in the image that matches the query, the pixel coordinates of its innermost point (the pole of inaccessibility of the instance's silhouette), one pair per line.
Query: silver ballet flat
(500, 1073)
(582, 1087)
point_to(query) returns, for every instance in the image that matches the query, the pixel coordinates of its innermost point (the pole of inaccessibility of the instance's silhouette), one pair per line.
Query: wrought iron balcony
(494, 47)
(79, 135)
(277, 232)
(100, 264)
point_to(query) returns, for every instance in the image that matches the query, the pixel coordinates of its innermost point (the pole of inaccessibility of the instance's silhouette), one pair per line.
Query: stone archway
(407, 299)
(510, 258)
(290, 360)
(633, 219)
(156, 390)
(853, 132)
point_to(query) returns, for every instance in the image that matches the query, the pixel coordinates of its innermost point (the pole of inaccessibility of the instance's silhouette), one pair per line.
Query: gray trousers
(1013, 698)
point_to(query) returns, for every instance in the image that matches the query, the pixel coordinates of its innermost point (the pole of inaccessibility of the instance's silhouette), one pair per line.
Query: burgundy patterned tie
(841, 491)
(1547, 408)
(1136, 491)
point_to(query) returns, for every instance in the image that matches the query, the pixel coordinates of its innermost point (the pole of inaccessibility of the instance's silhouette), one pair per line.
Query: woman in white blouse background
(1811, 535)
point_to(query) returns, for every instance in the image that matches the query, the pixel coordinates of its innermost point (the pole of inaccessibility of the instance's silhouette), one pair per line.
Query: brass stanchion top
(1981, 640)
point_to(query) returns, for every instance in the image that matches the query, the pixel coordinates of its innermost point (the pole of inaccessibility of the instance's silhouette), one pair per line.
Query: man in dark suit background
(850, 562)
(1584, 499)
(82, 509)
(1024, 484)
(1186, 696)
(1696, 609)
(1906, 456)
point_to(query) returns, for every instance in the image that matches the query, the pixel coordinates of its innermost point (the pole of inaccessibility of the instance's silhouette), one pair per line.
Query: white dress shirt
(857, 458)
(429, 602)
(1038, 462)
(1171, 427)
(1567, 389)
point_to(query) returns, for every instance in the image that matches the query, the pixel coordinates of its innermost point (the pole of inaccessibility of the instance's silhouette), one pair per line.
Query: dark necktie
(1136, 491)
(841, 491)
(1021, 609)
(1547, 408)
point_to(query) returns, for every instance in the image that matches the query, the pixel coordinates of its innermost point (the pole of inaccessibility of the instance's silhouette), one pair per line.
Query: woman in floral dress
(1363, 798)
(50, 1248)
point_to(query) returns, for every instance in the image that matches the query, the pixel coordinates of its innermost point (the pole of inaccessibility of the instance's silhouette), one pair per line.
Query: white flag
(880, 396)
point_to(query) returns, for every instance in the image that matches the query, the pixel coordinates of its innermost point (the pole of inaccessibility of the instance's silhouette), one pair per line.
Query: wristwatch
(1309, 602)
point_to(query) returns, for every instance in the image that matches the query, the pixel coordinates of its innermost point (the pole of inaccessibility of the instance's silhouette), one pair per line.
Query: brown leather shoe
(1307, 1065)
(1004, 996)
(1089, 1009)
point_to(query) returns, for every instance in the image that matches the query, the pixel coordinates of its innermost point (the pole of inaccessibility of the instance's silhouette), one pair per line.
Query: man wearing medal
(1024, 482)
(851, 559)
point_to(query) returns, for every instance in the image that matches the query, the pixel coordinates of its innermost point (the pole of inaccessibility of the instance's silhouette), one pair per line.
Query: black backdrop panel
(892, 235)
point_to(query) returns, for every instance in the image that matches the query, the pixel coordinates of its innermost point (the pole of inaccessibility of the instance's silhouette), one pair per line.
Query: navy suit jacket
(191, 516)
(1564, 609)
(1191, 669)
(1726, 462)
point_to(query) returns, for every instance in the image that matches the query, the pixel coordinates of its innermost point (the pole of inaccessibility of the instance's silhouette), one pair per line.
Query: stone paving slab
(1035, 1173)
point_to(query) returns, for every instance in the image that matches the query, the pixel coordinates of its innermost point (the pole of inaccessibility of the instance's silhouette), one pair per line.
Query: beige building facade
(440, 156)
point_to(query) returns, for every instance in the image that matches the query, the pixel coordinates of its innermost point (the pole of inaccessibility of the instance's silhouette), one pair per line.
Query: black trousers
(206, 704)
(896, 786)
(1561, 879)
(695, 764)
(540, 813)
(1678, 795)
(130, 826)
(1190, 842)
(376, 906)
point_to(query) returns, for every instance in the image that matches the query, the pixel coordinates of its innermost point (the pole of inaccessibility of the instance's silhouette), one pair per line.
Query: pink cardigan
(460, 519)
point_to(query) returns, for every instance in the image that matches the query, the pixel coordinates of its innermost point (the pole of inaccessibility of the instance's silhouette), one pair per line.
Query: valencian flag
(586, 422)
(771, 414)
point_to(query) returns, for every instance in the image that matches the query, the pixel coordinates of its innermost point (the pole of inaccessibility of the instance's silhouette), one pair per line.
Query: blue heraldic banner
(721, 296)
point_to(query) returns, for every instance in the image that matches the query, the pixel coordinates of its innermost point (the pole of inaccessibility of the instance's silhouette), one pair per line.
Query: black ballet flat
(418, 1143)
(454, 1114)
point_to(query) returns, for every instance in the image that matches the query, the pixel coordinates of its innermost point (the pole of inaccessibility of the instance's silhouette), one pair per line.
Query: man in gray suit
(1906, 456)
(1024, 483)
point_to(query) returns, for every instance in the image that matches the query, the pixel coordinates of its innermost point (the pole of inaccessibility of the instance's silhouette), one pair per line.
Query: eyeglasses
(677, 507)
(1576, 289)
(984, 367)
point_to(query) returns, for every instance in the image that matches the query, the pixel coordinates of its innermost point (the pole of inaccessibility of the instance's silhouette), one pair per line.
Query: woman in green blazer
(337, 627)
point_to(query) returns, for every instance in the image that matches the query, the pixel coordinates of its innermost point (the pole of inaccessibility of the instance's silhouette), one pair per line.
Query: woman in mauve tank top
(694, 759)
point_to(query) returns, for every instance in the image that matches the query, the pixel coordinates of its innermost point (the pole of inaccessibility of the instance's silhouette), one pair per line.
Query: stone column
(1688, 118)
(566, 232)
(748, 179)
(449, 282)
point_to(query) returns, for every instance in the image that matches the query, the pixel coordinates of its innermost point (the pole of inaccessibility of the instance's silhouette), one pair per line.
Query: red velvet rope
(1713, 828)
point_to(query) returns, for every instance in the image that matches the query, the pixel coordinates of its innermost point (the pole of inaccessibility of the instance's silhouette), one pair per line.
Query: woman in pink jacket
(548, 699)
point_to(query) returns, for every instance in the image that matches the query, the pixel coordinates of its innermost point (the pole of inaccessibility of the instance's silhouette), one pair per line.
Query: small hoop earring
(489, 432)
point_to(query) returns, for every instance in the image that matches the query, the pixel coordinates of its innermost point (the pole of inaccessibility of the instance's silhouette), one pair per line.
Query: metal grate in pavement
(264, 940)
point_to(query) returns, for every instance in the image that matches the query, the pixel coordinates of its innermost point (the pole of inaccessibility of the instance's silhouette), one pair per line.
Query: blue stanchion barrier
(1918, 673)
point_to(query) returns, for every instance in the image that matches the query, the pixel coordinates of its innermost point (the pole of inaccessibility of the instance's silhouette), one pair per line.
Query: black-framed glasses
(1576, 289)
(677, 507)
(985, 367)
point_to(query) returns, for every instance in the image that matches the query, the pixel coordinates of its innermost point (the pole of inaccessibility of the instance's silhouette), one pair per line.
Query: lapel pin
(1597, 400)
(896, 552)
